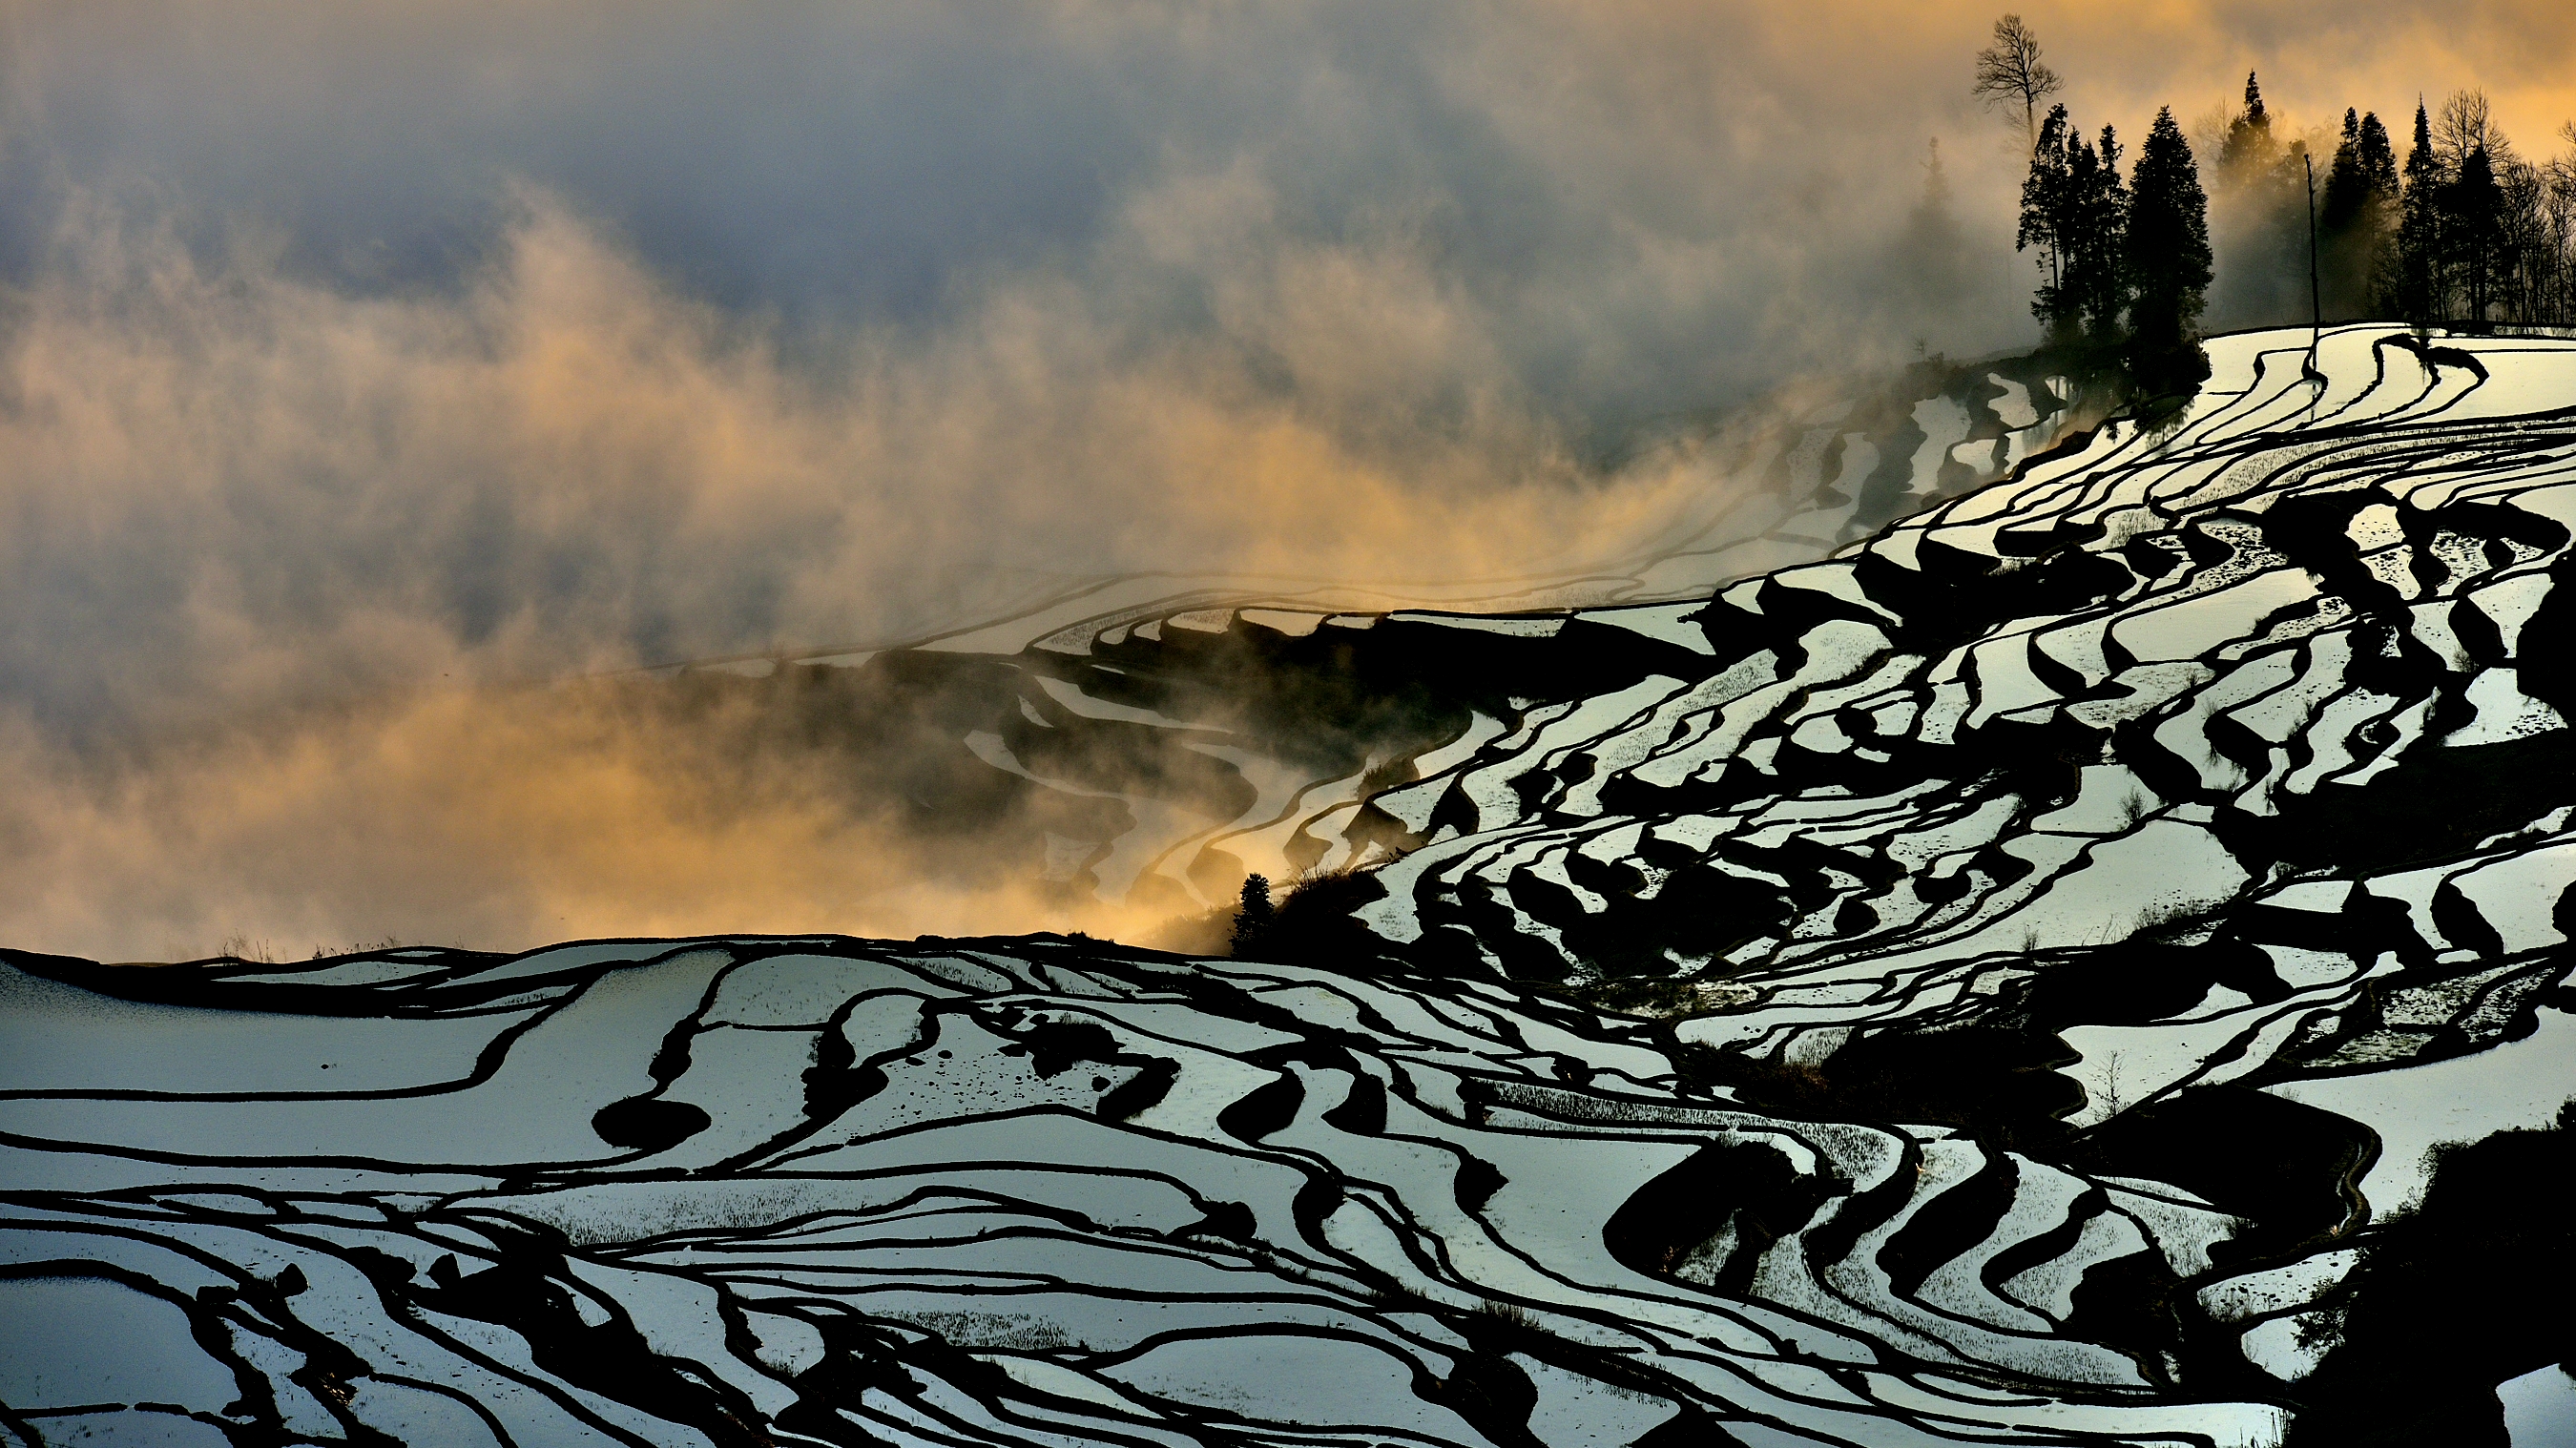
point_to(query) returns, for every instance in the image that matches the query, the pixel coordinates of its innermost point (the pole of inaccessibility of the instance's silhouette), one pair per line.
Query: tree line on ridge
(2464, 232)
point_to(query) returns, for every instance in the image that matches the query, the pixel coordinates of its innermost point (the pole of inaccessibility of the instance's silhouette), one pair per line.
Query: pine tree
(2378, 159)
(2379, 178)
(2357, 219)
(2417, 288)
(2076, 258)
(2165, 256)
(2473, 223)
(2344, 186)
(2046, 208)
(2097, 220)
(1254, 917)
(2249, 152)
(2259, 205)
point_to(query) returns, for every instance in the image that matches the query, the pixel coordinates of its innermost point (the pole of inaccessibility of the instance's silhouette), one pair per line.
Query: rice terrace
(1171, 755)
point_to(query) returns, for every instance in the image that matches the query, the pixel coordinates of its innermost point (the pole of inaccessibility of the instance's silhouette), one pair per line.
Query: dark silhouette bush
(1254, 917)
(2463, 1293)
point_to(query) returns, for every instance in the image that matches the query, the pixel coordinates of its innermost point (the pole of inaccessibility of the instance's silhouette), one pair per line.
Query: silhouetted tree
(2464, 229)
(2343, 198)
(2557, 223)
(2074, 208)
(2249, 151)
(2417, 288)
(2048, 219)
(2474, 225)
(2466, 123)
(2539, 226)
(2166, 259)
(2357, 223)
(1254, 917)
(2097, 220)
(2010, 75)
(2259, 191)
(2474, 156)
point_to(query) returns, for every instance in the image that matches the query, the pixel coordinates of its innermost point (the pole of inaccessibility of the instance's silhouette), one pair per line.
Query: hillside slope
(1139, 743)
(1993, 984)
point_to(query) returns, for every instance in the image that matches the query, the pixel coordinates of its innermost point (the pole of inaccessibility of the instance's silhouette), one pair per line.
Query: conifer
(2097, 221)
(2417, 287)
(2249, 153)
(2345, 189)
(2046, 205)
(2357, 219)
(2474, 226)
(2166, 259)
(2378, 159)
(1254, 916)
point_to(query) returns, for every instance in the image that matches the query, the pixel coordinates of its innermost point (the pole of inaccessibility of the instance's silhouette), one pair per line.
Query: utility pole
(2316, 309)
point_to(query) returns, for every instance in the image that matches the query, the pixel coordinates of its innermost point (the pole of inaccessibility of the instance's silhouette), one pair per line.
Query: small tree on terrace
(2010, 76)
(1254, 916)
(2165, 257)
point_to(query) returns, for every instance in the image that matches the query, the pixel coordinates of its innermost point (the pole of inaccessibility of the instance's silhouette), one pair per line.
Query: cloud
(358, 364)
(278, 548)
(497, 818)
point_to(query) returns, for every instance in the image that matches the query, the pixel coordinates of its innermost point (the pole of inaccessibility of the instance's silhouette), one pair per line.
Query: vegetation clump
(1998, 1083)
(2449, 1299)
(1307, 921)
(1255, 918)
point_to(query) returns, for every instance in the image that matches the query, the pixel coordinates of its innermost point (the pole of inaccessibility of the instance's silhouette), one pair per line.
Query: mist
(364, 369)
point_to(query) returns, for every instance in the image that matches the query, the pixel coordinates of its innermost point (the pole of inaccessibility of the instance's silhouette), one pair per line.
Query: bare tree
(2466, 123)
(2009, 73)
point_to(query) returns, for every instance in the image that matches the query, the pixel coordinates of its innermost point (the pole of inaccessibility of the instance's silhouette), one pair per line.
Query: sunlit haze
(367, 370)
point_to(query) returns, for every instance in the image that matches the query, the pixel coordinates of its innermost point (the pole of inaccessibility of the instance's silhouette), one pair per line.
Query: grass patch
(1999, 1082)
(1662, 997)
(242, 950)
(1508, 1314)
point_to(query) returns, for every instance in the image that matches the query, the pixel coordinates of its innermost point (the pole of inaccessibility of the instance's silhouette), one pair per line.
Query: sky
(357, 360)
